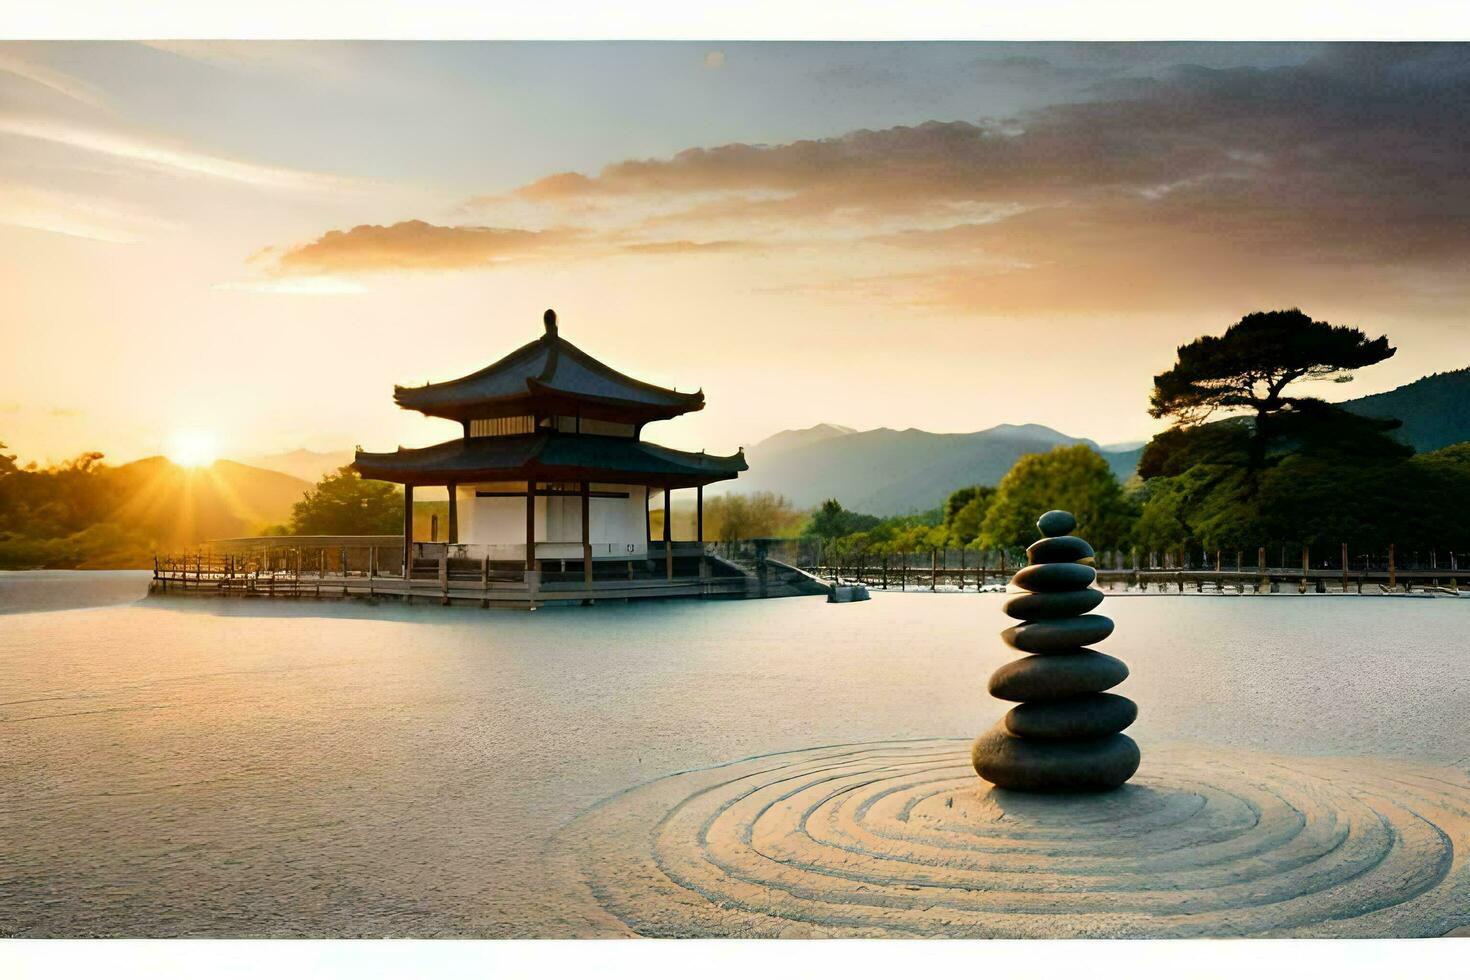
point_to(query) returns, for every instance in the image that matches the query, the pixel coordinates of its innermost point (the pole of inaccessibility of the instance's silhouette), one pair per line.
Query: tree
(1253, 362)
(740, 517)
(1071, 478)
(965, 519)
(832, 520)
(345, 503)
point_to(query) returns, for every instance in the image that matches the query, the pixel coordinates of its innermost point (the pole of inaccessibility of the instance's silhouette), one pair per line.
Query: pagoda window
(591, 427)
(513, 425)
(599, 427)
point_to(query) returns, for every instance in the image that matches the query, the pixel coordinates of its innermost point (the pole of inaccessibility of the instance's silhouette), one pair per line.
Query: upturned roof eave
(446, 400)
(455, 461)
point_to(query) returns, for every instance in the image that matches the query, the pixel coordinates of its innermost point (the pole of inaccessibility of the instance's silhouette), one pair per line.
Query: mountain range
(304, 464)
(1435, 410)
(177, 506)
(878, 471)
(888, 471)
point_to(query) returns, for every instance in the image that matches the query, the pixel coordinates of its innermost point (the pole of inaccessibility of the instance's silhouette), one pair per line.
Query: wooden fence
(969, 568)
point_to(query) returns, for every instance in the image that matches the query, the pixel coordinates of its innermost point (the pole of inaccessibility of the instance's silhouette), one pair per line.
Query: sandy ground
(901, 839)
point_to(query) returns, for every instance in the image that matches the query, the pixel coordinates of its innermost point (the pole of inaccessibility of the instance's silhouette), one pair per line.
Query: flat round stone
(1060, 577)
(1064, 548)
(1081, 765)
(1058, 635)
(1055, 522)
(1048, 677)
(1085, 716)
(1035, 606)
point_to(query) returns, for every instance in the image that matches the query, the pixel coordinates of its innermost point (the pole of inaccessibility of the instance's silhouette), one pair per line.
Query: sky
(258, 240)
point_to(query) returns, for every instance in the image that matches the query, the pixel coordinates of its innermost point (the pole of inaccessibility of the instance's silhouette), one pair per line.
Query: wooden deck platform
(459, 582)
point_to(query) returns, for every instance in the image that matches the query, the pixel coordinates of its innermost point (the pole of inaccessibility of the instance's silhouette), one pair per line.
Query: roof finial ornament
(549, 318)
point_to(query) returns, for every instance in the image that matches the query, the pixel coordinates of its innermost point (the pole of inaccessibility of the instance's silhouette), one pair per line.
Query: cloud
(60, 82)
(409, 246)
(414, 245)
(1347, 175)
(683, 246)
(155, 153)
(320, 60)
(1358, 157)
(77, 215)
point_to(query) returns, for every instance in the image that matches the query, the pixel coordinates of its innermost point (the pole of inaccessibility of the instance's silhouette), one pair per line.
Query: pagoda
(551, 467)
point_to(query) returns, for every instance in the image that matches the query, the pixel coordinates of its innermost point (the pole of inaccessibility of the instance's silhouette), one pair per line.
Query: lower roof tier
(549, 456)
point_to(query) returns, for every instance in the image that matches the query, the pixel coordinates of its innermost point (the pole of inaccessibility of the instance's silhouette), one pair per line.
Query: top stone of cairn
(1055, 523)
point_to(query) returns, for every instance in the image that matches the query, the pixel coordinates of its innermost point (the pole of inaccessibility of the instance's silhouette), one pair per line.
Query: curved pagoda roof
(549, 456)
(549, 376)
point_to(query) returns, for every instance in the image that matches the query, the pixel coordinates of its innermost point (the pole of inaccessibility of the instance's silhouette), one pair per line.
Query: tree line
(1248, 460)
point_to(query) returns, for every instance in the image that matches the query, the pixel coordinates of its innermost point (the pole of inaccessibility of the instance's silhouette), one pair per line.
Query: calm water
(204, 767)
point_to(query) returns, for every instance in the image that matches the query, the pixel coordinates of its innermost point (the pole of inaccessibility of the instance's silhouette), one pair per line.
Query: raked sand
(901, 839)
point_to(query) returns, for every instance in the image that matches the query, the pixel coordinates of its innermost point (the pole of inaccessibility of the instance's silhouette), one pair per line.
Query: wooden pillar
(1392, 576)
(586, 533)
(699, 530)
(1344, 568)
(647, 516)
(1306, 561)
(453, 514)
(530, 525)
(668, 535)
(408, 530)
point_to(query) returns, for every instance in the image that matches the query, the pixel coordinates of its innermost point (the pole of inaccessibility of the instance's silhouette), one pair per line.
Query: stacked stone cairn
(1065, 734)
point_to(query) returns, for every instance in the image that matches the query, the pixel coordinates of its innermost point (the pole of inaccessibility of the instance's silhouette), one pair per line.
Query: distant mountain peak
(1435, 409)
(891, 471)
(304, 464)
(793, 438)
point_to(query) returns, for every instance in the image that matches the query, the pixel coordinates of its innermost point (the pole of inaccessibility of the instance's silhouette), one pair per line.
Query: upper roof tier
(548, 376)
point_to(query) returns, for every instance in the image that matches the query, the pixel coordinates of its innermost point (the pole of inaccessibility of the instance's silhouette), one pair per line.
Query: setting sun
(192, 448)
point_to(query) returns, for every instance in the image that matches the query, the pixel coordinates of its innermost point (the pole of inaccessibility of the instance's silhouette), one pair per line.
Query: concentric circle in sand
(902, 839)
